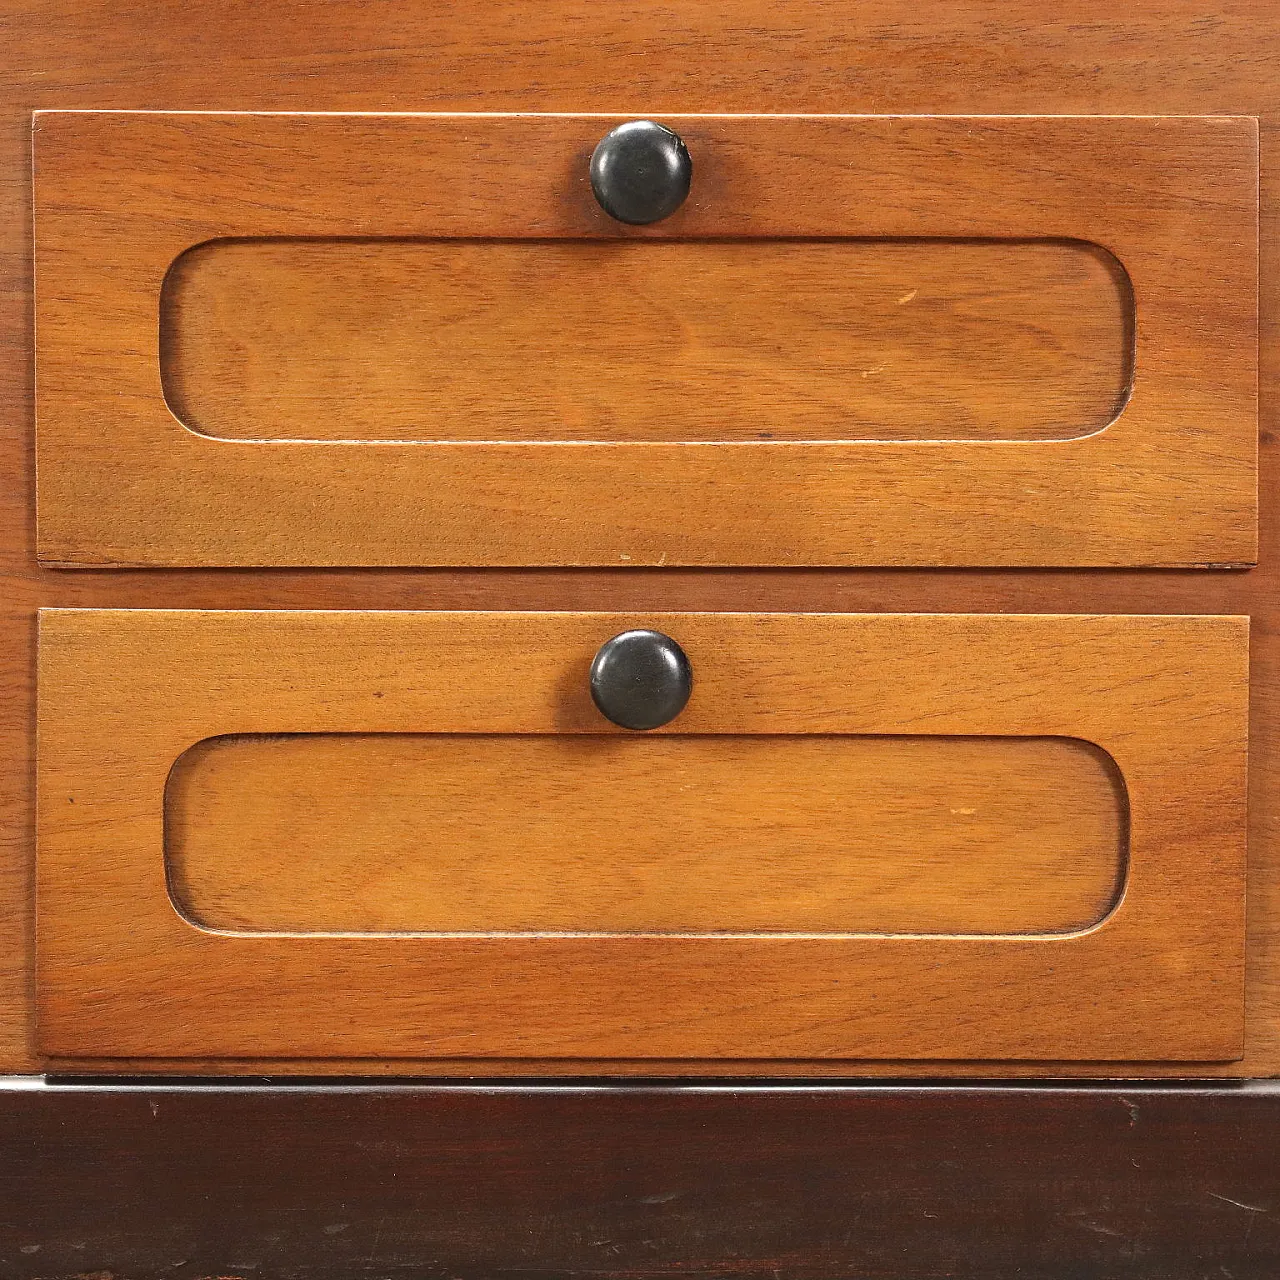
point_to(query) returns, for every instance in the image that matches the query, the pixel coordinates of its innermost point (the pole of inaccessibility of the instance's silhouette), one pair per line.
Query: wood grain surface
(645, 340)
(405, 833)
(628, 1182)
(887, 56)
(120, 196)
(124, 692)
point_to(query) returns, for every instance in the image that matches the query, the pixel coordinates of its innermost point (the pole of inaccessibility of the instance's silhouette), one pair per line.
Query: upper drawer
(419, 340)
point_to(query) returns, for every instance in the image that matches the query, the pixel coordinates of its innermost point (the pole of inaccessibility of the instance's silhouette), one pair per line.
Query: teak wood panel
(715, 833)
(885, 56)
(119, 196)
(645, 340)
(124, 693)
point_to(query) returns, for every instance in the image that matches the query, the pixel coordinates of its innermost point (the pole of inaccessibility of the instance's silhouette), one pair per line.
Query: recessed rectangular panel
(862, 340)
(681, 834)
(645, 340)
(164, 928)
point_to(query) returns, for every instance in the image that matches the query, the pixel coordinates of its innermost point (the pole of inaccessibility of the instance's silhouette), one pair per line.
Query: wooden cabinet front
(410, 836)
(399, 340)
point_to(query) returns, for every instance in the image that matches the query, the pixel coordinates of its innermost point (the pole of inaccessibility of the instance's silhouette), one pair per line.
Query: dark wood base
(138, 1180)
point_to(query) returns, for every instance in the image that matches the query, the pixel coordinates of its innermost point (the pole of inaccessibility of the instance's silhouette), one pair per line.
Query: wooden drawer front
(268, 339)
(411, 835)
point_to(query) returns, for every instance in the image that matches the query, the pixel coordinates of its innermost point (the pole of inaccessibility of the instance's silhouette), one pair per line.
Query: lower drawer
(412, 836)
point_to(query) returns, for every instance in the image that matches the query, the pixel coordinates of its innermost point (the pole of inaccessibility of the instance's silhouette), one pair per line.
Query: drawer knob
(640, 172)
(641, 679)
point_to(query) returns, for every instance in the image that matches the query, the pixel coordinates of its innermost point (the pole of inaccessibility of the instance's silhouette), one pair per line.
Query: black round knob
(641, 679)
(640, 172)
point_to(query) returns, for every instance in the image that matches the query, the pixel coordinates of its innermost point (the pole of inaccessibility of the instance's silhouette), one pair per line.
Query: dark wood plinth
(515, 1182)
